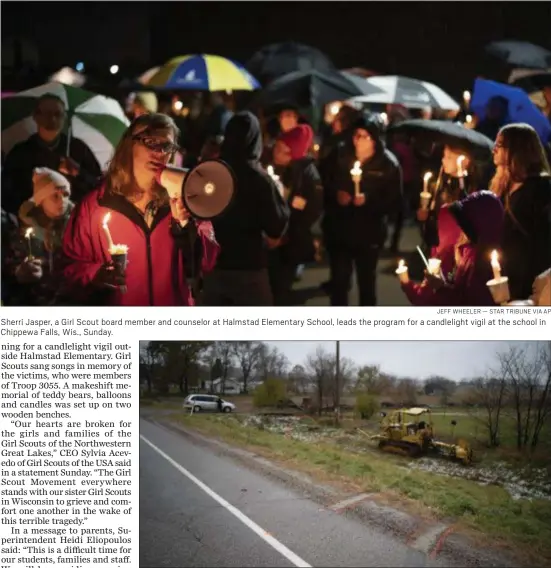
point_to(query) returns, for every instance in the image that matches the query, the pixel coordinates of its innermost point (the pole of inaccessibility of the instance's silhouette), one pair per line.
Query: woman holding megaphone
(128, 243)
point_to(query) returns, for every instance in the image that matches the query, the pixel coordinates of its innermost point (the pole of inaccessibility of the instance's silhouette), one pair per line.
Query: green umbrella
(97, 120)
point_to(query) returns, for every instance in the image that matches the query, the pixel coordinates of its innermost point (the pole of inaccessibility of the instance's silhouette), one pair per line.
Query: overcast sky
(417, 359)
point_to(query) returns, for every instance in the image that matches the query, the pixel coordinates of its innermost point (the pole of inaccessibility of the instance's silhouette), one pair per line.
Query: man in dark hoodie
(359, 223)
(258, 211)
(304, 193)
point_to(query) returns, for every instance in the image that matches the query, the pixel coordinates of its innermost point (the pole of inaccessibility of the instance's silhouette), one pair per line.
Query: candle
(356, 173)
(105, 226)
(469, 119)
(335, 109)
(461, 173)
(402, 272)
(426, 179)
(495, 265)
(466, 98)
(28, 234)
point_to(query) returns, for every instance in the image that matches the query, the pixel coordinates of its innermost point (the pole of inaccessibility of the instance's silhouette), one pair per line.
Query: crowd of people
(295, 201)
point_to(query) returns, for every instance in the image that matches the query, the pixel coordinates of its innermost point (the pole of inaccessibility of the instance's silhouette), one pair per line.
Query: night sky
(440, 42)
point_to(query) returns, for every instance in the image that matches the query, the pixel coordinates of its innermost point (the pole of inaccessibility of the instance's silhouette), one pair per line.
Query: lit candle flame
(316, 147)
(496, 268)
(335, 109)
(469, 119)
(460, 161)
(106, 219)
(495, 257)
(427, 176)
(466, 96)
(401, 264)
(29, 232)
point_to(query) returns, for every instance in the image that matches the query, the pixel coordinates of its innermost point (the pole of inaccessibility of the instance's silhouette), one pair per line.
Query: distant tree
(298, 380)
(247, 354)
(366, 406)
(270, 393)
(221, 355)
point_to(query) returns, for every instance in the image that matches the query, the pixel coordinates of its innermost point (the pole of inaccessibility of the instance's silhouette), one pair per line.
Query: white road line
(350, 501)
(264, 535)
(428, 539)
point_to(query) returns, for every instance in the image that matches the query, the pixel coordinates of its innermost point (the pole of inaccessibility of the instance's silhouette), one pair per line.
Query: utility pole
(338, 383)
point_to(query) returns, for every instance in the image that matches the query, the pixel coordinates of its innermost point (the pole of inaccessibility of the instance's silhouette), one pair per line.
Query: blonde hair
(525, 158)
(119, 179)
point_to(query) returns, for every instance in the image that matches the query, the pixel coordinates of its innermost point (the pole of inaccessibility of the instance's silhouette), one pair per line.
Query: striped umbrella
(408, 92)
(203, 73)
(96, 120)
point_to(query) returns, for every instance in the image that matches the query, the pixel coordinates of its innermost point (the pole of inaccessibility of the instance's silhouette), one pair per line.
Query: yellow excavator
(409, 431)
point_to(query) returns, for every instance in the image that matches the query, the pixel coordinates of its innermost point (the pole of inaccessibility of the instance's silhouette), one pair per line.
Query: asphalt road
(201, 509)
(389, 293)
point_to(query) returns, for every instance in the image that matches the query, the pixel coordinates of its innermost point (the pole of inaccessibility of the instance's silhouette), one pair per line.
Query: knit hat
(46, 182)
(299, 140)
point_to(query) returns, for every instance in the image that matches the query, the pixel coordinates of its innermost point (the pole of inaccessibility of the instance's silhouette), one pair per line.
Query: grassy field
(524, 526)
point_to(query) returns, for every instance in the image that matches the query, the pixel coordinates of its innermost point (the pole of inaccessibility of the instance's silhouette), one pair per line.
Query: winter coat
(302, 180)
(526, 244)
(160, 257)
(480, 217)
(258, 208)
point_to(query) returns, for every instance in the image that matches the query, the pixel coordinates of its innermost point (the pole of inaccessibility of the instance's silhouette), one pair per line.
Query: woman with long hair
(460, 174)
(166, 248)
(523, 183)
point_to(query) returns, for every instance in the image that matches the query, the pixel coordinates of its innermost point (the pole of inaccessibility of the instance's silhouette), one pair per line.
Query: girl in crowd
(165, 246)
(479, 216)
(45, 215)
(459, 175)
(523, 183)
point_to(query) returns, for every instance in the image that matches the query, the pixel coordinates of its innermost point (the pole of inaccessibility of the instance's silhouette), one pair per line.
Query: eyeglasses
(156, 145)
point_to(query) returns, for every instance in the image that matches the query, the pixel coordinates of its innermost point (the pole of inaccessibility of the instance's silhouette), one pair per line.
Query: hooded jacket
(159, 257)
(480, 216)
(381, 183)
(257, 209)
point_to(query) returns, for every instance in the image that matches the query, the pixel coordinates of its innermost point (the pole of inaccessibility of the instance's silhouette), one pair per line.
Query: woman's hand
(29, 271)
(434, 282)
(179, 212)
(422, 215)
(359, 200)
(343, 198)
(108, 277)
(69, 167)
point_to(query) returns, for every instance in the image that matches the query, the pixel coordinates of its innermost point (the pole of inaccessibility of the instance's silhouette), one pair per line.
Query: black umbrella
(520, 54)
(533, 83)
(278, 59)
(444, 132)
(309, 89)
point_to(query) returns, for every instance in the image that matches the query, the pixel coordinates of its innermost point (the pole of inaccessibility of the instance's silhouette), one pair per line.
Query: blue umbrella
(521, 108)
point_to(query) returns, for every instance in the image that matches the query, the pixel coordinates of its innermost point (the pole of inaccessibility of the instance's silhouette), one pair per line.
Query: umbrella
(309, 89)
(534, 82)
(278, 59)
(444, 132)
(520, 53)
(97, 120)
(203, 73)
(410, 93)
(521, 108)
(363, 85)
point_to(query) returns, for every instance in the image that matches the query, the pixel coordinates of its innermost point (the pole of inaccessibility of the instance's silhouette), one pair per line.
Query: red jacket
(157, 256)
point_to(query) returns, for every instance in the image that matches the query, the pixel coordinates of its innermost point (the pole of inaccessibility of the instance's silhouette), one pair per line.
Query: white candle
(402, 272)
(28, 234)
(105, 226)
(356, 173)
(426, 179)
(496, 268)
(461, 173)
